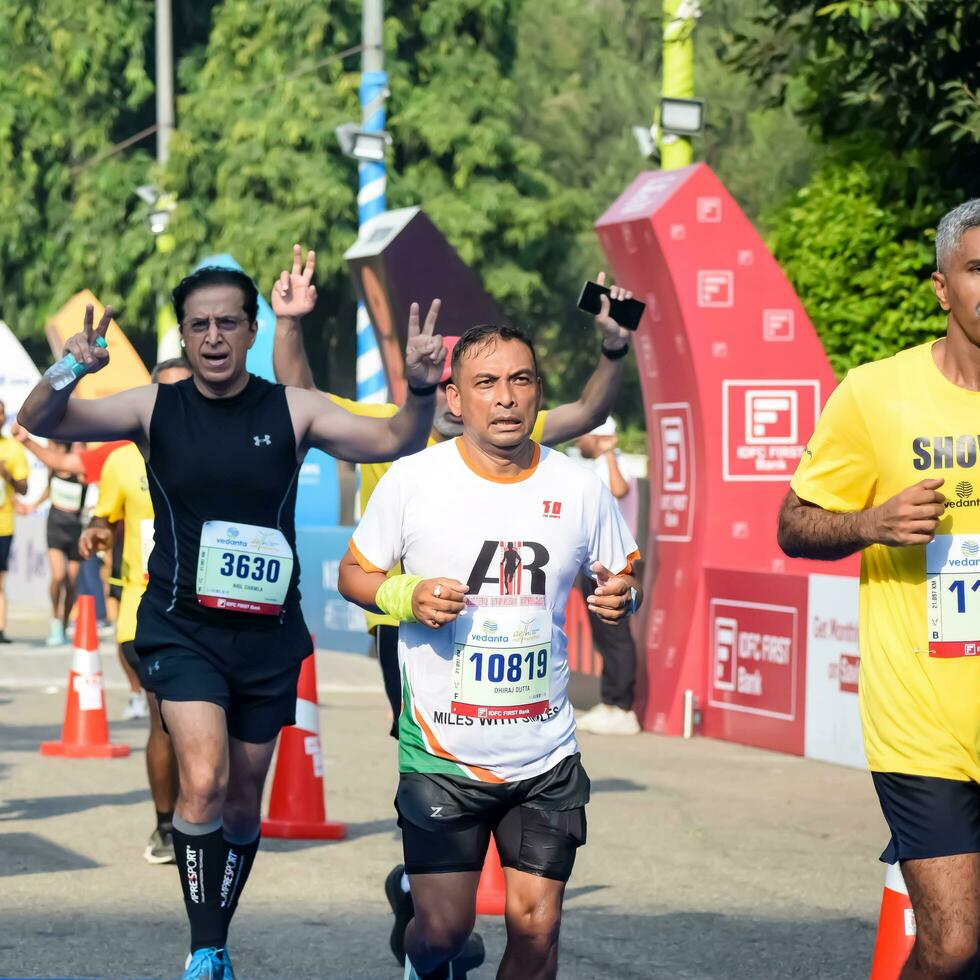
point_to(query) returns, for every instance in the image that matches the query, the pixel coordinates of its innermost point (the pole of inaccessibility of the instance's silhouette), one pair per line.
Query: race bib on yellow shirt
(502, 657)
(243, 568)
(953, 595)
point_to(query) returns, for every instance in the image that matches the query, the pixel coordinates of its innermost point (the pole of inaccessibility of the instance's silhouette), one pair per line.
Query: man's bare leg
(945, 895)
(533, 918)
(445, 913)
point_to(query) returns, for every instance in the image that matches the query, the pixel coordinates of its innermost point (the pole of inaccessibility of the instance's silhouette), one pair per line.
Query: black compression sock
(200, 853)
(239, 858)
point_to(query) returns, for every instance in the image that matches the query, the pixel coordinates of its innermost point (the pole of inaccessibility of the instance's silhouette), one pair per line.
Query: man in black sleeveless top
(220, 633)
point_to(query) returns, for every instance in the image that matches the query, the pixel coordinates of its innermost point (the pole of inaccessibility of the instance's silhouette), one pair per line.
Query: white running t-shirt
(485, 697)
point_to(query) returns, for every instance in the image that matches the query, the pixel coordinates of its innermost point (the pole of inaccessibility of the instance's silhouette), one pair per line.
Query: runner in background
(614, 714)
(14, 471)
(550, 428)
(65, 493)
(891, 472)
(124, 514)
(491, 529)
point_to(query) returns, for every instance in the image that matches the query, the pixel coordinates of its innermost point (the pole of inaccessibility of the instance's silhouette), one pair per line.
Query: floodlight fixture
(362, 145)
(682, 117)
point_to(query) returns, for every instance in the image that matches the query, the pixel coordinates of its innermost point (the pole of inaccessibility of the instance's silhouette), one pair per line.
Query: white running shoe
(137, 708)
(585, 721)
(612, 721)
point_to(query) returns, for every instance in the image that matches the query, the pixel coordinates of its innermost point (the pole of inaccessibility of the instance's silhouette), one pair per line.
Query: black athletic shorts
(6, 540)
(928, 817)
(251, 673)
(538, 823)
(130, 655)
(386, 646)
(64, 530)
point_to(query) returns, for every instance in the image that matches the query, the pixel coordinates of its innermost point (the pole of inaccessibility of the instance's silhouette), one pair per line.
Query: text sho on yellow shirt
(889, 425)
(371, 473)
(11, 453)
(124, 495)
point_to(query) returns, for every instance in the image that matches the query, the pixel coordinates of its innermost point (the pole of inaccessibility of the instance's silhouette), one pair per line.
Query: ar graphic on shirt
(503, 565)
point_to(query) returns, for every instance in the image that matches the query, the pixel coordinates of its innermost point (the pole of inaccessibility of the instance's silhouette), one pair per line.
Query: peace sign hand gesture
(294, 295)
(85, 346)
(424, 352)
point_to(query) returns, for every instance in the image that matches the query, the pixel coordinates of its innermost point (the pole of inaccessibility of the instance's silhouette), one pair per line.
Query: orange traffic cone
(491, 894)
(896, 928)
(296, 807)
(85, 733)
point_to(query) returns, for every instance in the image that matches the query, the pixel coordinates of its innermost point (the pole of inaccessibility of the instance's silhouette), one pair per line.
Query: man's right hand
(437, 601)
(83, 347)
(18, 432)
(94, 540)
(910, 517)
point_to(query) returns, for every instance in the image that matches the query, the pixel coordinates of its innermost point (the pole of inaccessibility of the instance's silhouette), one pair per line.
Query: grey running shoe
(160, 848)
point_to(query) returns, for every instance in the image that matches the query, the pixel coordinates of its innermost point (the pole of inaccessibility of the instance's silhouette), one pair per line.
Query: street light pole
(371, 383)
(680, 18)
(165, 79)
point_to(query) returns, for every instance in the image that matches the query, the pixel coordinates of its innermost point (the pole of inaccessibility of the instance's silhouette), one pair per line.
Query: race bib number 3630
(243, 568)
(953, 595)
(502, 659)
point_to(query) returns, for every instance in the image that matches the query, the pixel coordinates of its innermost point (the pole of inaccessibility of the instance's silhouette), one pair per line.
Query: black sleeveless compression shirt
(230, 460)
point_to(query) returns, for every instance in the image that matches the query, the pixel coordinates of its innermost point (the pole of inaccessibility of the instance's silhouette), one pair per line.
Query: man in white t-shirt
(491, 530)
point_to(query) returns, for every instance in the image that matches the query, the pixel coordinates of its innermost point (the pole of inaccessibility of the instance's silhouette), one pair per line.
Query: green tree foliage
(69, 77)
(861, 267)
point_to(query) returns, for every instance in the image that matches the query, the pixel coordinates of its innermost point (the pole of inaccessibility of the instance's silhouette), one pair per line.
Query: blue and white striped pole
(371, 384)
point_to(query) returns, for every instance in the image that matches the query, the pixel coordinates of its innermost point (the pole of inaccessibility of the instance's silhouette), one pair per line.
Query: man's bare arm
(909, 518)
(574, 419)
(289, 360)
(55, 459)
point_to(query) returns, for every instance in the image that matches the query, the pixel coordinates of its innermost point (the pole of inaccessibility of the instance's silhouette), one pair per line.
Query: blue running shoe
(226, 963)
(205, 964)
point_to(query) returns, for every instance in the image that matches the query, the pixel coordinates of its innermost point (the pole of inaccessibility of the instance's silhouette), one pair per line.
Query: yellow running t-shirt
(12, 453)
(124, 495)
(889, 425)
(371, 473)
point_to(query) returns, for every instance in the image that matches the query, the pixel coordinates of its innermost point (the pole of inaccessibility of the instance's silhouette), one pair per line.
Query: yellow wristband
(395, 597)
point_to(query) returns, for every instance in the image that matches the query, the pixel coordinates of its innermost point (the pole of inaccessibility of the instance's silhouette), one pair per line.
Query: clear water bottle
(62, 373)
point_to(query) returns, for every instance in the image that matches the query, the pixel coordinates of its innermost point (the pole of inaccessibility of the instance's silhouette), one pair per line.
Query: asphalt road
(705, 860)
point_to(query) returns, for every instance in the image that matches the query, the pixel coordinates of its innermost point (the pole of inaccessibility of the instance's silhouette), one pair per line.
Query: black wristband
(422, 392)
(615, 355)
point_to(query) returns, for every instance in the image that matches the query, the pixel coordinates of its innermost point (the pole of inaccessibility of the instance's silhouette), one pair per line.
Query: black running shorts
(928, 817)
(537, 823)
(251, 673)
(63, 532)
(6, 540)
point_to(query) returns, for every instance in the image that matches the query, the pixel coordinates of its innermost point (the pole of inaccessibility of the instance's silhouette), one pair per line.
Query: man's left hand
(614, 337)
(424, 352)
(612, 595)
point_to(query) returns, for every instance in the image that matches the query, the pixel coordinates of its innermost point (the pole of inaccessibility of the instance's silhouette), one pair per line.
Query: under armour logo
(436, 810)
(154, 667)
(265, 440)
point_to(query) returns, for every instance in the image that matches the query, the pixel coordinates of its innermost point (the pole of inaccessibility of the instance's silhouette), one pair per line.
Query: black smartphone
(626, 312)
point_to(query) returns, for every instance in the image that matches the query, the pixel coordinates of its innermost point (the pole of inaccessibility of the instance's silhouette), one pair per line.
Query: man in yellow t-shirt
(124, 497)
(552, 427)
(893, 470)
(14, 470)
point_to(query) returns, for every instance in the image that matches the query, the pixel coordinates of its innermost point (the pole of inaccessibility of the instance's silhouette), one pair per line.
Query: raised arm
(54, 459)
(321, 424)
(55, 415)
(293, 297)
(574, 419)
(909, 518)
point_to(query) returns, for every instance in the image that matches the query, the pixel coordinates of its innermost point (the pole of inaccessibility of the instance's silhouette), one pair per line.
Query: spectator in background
(66, 494)
(614, 714)
(14, 470)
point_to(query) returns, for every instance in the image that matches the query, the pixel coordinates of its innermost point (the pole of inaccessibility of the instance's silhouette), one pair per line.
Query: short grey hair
(951, 229)
(169, 365)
